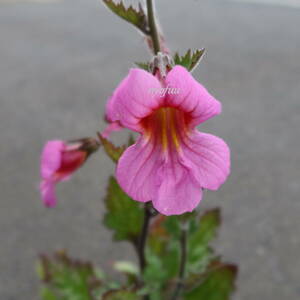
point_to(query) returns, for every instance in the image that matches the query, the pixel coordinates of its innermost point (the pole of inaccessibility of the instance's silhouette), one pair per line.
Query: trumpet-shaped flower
(58, 161)
(171, 162)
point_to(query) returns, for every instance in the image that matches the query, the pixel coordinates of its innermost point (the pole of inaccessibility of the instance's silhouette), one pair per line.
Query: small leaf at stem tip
(114, 152)
(136, 17)
(190, 60)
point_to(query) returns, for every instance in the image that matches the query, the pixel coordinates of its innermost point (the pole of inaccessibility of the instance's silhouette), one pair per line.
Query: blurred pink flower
(58, 161)
(172, 161)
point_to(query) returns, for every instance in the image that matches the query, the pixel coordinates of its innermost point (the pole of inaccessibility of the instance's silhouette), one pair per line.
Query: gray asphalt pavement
(59, 61)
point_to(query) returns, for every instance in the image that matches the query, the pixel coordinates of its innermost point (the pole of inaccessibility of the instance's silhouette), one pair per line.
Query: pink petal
(179, 192)
(133, 100)
(173, 181)
(208, 157)
(136, 170)
(191, 97)
(70, 162)
(51, 158)
(145, 173)
(47, 189)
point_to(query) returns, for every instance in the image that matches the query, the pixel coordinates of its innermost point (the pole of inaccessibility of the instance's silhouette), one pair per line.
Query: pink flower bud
(59, 160)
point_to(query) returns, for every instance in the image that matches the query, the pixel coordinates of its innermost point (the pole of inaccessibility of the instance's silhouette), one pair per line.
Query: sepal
(190, 60)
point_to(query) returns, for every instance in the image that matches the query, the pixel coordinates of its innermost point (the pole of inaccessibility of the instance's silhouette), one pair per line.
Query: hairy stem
(153, 27)
(182, 267)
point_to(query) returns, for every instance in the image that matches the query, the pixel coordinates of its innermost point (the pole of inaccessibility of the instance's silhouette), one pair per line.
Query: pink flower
(172, 161)
(58, 161)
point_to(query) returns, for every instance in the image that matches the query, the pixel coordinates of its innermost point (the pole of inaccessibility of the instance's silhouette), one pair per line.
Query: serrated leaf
(155, 275)
(124, 215)
(216, 284)
(121, 294)
(130, 14)
(184, 60)
(207, 230)
(162, 257)
(199, 251)
(144, 66)
(190, 60)
(114, 152)
(154, 271)
(67, 279)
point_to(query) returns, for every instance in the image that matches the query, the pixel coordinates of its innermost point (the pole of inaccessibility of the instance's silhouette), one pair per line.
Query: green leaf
(47, 294)
(130, 14)
(111, 150)
(199, 252)
(124, 215)
(190, 60)
(121, 294)
(163, 259)
(155, 275)
(163, 242)
(144, 66)
(216, 284)
(207, 230)
(172, 225)
(163, 255)
(67, 279)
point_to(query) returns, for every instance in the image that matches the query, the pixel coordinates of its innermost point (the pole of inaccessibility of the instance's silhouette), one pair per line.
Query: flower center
(166, 126)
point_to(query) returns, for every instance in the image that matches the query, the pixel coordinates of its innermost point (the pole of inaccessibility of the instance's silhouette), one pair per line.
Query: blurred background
(59, 62)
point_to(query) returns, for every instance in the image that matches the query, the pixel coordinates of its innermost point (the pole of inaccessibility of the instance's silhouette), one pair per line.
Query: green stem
(182, 267)
(152, 26)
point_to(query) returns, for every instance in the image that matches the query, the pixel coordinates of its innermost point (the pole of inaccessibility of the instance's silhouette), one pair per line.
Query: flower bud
(59, 161)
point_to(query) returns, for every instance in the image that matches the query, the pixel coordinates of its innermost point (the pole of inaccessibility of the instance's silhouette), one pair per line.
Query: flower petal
(51, 158)
(47, 189)
(191, 97)
(208, 157)
(133, 99)
(70, 162)
(146, 173)
(136, 170)
(179, 192)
